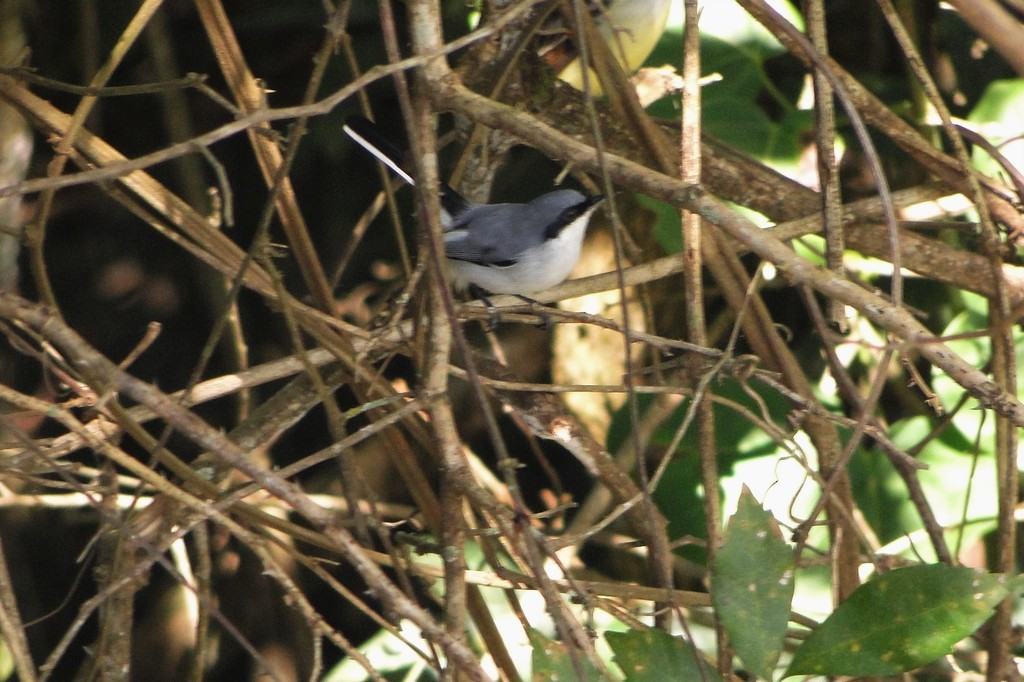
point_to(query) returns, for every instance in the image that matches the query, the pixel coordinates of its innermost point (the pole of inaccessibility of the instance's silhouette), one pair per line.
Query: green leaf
(752, 586)
(679, 498)
(552, 661)
(654, 654)
(741, 71)
(999, 117)
(667, 227)
(902, 620)
(739, 123)
(976, 350)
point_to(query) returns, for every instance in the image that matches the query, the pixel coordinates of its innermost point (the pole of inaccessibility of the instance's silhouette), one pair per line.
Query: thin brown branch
(630, 174)
(104, 375)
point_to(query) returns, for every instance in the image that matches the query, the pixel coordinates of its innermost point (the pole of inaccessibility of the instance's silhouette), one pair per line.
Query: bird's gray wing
(495, 234)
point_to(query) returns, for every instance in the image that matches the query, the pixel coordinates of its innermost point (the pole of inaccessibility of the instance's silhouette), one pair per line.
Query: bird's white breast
(536, 269)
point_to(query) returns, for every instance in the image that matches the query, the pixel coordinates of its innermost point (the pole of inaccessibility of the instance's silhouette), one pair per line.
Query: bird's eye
(571, 214)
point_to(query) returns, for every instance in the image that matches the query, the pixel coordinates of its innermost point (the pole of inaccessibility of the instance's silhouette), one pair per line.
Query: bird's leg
(492, 312)
(477, 292)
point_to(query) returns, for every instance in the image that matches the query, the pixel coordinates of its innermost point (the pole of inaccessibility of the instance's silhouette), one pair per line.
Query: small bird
(518, 249)
(631, 28)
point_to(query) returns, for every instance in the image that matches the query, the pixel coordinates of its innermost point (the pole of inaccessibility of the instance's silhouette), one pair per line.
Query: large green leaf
(656, 655)
(752, 586)
(902, 620)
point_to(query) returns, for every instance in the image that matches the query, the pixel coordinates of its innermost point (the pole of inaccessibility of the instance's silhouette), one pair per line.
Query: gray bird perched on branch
(516, 249)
